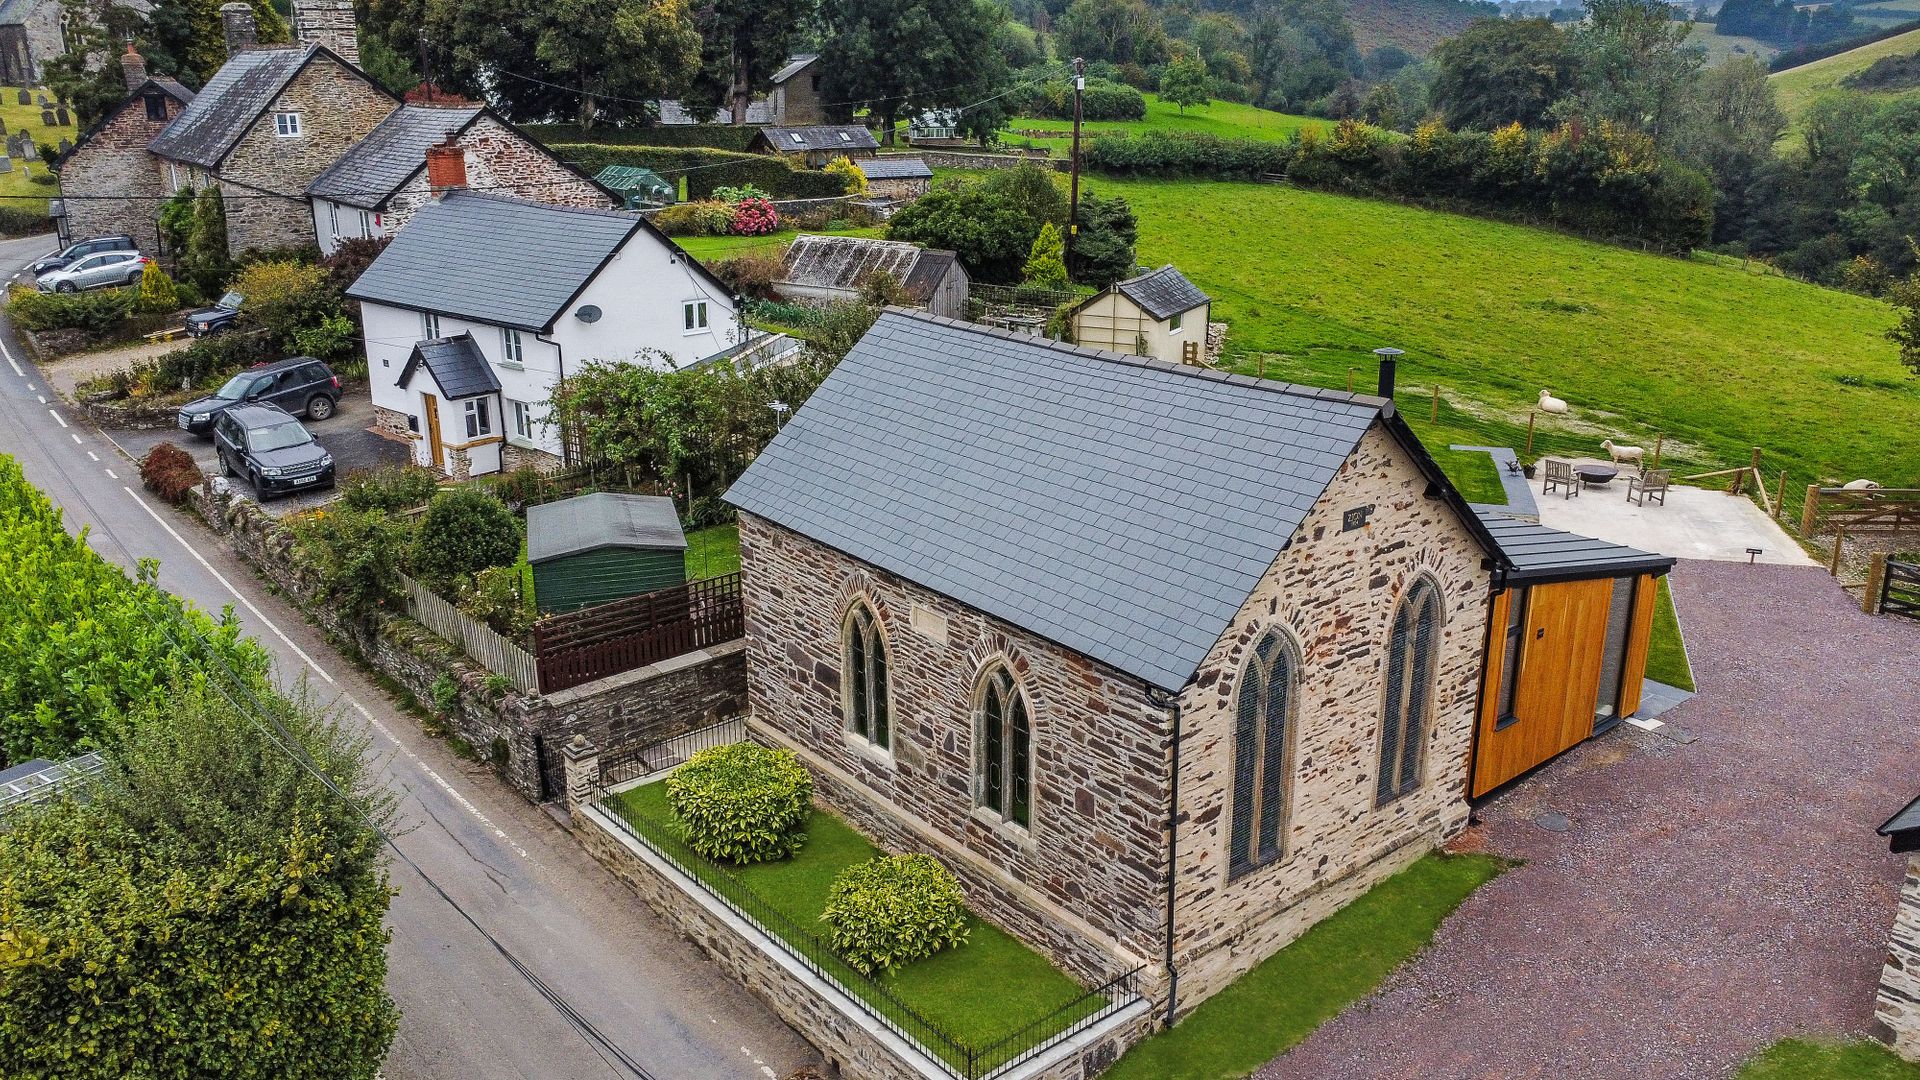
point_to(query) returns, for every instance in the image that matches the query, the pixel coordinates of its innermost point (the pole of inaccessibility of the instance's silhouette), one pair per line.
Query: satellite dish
(588, 313)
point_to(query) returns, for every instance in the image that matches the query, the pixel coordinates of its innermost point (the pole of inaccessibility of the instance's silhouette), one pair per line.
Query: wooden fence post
(1876, 580)
(1658, 441)
(1436, 403)
(1263, 370)
(1839, 543)
(1530, 418)
(1810, 511)
(1350, 372)
(1780, 500)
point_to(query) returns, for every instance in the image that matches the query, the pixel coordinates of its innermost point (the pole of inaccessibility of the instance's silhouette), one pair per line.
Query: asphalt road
(466, 1013)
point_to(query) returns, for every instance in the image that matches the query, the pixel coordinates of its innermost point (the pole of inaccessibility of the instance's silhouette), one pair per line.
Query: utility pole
(1073, 212)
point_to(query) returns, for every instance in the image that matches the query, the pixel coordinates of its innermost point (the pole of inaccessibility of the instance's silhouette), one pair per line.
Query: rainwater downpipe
(1171, 703)
(560, 356)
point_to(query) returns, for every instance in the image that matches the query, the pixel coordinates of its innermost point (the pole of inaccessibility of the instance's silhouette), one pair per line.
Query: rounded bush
(743, 803)
(894, 910)
(465, 529)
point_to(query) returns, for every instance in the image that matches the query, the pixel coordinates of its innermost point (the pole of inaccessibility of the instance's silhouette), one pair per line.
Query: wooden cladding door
(1562, 641)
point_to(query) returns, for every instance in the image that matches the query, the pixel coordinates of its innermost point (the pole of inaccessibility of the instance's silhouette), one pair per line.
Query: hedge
(712, 136)
(891, 911)
(17, 222)
(1807, 54)
(705, 169)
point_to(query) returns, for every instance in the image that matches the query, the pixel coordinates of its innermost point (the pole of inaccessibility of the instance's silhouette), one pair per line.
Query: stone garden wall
(1896, 1008)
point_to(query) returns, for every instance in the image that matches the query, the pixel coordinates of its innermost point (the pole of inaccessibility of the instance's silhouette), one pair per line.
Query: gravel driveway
(1710, 897)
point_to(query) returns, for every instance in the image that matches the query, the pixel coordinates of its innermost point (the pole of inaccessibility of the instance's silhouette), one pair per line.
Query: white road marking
(56, 417)
(93, 456)
(16, 364)
(111, 473)
(30, 386)
(42, 397)
(218, 576)
(451, 791)
(75, 436)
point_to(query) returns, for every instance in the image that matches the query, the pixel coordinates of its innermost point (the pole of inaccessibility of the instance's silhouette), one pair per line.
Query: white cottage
(481, 306)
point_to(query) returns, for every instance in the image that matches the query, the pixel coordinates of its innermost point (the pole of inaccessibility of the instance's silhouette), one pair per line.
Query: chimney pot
(242, 30)
(135, 67)
(1389, 363)
(446, 167)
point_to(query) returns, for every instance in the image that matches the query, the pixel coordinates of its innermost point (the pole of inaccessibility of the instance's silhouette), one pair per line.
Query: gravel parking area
(1710, 897)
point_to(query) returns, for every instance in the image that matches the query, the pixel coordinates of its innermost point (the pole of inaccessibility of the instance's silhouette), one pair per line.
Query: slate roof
(1903, 828)
(1164, 293)
(456, 364)
(895, 167)
(376, 166)
(1122, 507)
(162, 83)
(819, 137)
(605, 519)
(494, 260)
(237, 94)
(1536, 553)
(674, 113)
(15, 12)
(795, 65)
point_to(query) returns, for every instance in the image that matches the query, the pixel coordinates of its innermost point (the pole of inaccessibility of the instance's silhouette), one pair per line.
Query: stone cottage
(900, 177)
(794, 98)
(112, 156)
(1083, 625)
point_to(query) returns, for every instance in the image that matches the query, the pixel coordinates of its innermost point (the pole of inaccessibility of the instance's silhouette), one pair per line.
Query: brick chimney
(446, 167)
(135, 67)
(330, 23)
(243, 32)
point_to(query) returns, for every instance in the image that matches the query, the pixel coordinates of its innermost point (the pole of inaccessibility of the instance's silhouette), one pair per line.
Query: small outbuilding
(1159, 314)
(897, 176)
(637, 188)
(592, 549)
(829, 269)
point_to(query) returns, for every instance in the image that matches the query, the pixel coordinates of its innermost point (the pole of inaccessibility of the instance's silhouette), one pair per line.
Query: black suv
(221, 316)
(303, 385)
(275, 452)
(59, 259)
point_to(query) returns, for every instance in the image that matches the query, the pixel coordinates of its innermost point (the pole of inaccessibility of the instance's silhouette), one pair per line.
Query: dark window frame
(866, 697)
(1003, 727)
(1410, 674)
(1266, 703)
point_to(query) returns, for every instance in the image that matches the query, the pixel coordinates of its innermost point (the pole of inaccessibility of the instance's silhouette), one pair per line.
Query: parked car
(301, 384)
(275, 452)
(221, 316)
(96, 271)
(59, 259)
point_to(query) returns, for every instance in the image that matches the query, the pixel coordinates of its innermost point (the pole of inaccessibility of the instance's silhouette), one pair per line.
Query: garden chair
(1650, 484)
(1560, 475)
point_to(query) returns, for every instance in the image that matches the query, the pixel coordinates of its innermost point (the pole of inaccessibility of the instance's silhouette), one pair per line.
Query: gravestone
(6, 165)
(3, 127)
(26, 96)
(60, 115)
(46, 102)
(66, 144)
(46, 118)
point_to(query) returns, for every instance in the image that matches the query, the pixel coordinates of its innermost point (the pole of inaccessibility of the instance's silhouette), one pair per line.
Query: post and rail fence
(1891, 511)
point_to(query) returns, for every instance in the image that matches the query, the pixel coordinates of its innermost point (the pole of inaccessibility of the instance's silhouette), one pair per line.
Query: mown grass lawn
(1714, 359)
(1227, 119)
(979, 993)
(713, 552)
(1304, 985)
(1666, 652)
(16, 189)
(1806, 1059)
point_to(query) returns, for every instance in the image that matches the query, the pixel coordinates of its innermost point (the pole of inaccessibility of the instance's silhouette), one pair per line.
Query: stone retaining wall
(1896, 1009)
(955, 159)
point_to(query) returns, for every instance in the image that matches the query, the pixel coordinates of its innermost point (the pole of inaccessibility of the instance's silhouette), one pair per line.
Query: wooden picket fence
(478, 640)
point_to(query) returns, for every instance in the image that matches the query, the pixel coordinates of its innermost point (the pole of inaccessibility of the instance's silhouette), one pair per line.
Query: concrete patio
(1695, 523)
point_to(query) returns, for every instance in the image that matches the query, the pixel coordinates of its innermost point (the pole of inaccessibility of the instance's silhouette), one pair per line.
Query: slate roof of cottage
(819, 137)
(376, 166)
(456, 364)
(895, 167)
(1120, 506)
(230, 102)
(845, 262)
(674, 113)
(162, 83)
(1537, 553)
(494, 260)
(1164, 293)
(601, 520)
(795, 65)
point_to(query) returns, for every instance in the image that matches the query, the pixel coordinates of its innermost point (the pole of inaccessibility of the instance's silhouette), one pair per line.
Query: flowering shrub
(849, 174)
(755, 217)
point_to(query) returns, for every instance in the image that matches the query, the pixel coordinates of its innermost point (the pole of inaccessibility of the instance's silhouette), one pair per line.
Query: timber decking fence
(607, 639)
(1900, 589)
(493, 651)
(1890, 511)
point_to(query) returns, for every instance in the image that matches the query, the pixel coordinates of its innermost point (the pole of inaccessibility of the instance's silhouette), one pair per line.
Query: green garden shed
(638, 188)
(594, 548)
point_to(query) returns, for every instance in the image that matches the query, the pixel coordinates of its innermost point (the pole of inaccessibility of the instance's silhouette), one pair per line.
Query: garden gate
(1900, 589)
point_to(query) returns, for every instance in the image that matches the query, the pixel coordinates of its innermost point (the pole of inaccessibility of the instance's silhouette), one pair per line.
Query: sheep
(1858, 485)
(1635, 454)
(1549, 403)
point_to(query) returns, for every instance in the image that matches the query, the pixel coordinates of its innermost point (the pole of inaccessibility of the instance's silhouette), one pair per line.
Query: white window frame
(520, 420)
(479, 418)
(286, 125)
(513, 351)
(429, 326)
(173, 177)
(1174, 323)
(366, 225)
(693, 317)
(333, 218)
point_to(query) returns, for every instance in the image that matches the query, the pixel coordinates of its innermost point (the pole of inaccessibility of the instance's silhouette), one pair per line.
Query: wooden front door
(1547, 703)
(436, 456)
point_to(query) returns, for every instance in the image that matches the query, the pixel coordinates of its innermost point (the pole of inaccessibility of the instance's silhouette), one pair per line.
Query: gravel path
(1710, 898)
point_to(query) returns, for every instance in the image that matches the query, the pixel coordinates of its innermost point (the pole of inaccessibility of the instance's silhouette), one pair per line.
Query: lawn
(1666, 651)
(978, 993)
(1711, 358)
(1473, 472)
(709, 248)
(713, 552)
(1336, 963)
(16, 190)
(1223, 118)
(1801, 1059)
(1798, 87)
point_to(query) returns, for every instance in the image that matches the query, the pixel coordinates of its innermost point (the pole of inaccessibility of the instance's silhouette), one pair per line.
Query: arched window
(1413, 649)
(1261, 753)
(1004, 737)
(864, 690)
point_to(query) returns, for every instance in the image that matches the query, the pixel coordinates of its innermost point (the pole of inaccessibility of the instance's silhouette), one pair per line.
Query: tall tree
(1185, 81)
(1502, 71)
(743, 42)
(1634, 63)
(1117, 31)
(187, 39)
(892, 55)
(1301, 51)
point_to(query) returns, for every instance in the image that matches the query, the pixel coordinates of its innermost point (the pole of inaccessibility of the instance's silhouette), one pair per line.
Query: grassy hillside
(17, 190)
(1414, 25)
(1713, 358)
(1223, 118)
(1723, 47)
(1798, 87)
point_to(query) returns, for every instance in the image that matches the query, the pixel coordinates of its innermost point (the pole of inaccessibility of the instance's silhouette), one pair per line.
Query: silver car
(96, 271)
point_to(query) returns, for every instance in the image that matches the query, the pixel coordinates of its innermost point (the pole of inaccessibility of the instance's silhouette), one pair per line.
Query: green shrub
(353, 557)
(709, 136)
(445, 693)
(705, 169)
(94, 312)
(1185, 153)
(850, 175)
(743, 803)
(209, 360)
(170, 472)
(17, 222)
(709, 217)
(495, 597)
(465, 530)
(388, 487)
(750, 275)
(157, 291)
(287, 298)
(891, 911)
(1103, 99)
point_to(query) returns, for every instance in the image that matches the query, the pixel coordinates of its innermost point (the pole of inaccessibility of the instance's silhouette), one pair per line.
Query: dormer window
(286, 124)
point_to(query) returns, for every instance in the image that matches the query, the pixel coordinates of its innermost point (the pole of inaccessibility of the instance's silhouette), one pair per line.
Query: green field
(1723, 47)
(16, 190)
(1711, 358)
(1798, 87)
(1800, 1059)
(1226, 119)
